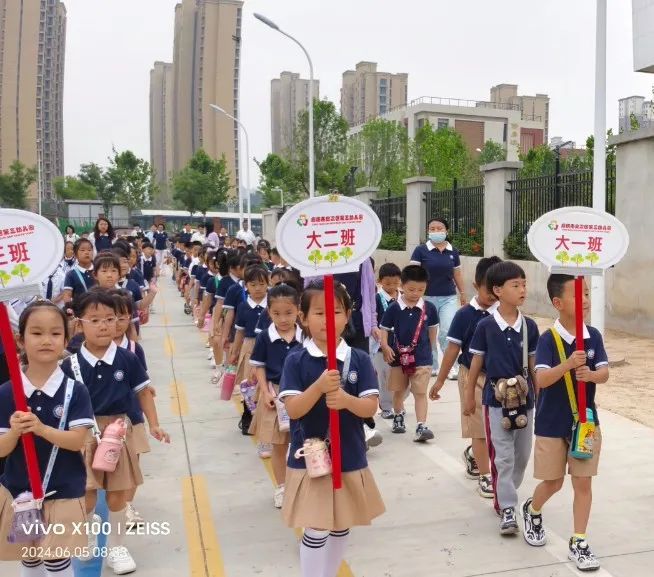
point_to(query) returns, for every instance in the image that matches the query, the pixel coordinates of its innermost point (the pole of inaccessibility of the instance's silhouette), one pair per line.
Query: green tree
(491, 152)
(442, 154)
(577, 259)
(634, 124)
(563, 257)
(346, 253)
(15, 184)
(331, 257)
(315, 257)
(21, 270)
(278, 173)
(131, 179)
(202, 184)
(538, 161)
(610, 149)
(94, 175)
(592, 258)
(73, 188)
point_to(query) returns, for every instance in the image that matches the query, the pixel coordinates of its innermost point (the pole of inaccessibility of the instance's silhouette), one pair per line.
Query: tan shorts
(472, 426)
(417, 382)
(551, 456)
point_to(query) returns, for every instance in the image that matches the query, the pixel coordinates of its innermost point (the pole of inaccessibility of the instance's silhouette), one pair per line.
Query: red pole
(334, 418)
(20, 401)
(579, 341)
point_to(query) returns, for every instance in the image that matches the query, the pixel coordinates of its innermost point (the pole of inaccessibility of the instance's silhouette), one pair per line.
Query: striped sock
(336, 545)
(313, 553)
(32, 568)
(59, 568)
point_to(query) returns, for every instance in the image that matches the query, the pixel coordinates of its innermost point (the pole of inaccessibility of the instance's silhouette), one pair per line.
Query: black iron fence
(533, 197)
(391, 212)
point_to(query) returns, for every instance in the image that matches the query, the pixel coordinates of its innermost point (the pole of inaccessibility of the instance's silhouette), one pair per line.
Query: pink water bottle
(228, 383)
(109, 448)
(316, 457)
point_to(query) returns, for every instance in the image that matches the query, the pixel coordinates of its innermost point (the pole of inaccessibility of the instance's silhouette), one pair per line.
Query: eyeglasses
(123, 319)
(95, 323)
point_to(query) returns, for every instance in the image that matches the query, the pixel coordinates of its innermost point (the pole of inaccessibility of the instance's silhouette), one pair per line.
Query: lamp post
(268, 22)
(557, 171)
(247, 164)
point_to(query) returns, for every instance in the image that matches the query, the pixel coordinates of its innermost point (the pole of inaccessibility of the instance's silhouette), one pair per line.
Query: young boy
(554, 419)
(499, 346)
(463, 326)
(148, 262)
(390, 278)
(414, 323)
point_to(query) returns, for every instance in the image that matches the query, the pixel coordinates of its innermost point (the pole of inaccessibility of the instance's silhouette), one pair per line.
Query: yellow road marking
(166, 320)
(169, 346)
(205, 556)
(178, 399)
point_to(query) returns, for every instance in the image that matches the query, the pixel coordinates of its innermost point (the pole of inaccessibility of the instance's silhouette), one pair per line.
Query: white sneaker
(373, 436)
(91, 539)
(278, 498)
(210, 355)
(133, 517)
(120, 561)
(453, 375)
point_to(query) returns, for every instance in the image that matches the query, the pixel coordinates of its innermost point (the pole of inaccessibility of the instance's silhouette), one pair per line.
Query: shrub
(469, 242)
(393, 241)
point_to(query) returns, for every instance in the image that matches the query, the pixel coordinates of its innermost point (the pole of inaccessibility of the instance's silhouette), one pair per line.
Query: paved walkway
(217, 495)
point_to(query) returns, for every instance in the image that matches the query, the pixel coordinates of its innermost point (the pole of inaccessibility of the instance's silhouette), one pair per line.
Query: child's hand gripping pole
(334, 418)
(20, 401)
(579, 342)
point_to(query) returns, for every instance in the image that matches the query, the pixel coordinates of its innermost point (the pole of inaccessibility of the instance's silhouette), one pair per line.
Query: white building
(637, 107)
(643, 31)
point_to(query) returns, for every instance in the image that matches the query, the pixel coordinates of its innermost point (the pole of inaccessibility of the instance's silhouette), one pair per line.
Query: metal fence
(533, 197)
(391, 212)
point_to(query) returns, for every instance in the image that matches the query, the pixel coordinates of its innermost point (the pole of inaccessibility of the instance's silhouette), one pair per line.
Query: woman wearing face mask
(445, 277)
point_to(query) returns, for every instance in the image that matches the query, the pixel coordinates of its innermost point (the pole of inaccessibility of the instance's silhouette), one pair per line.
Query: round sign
(328, 234)
(31, 247)
(578, 240)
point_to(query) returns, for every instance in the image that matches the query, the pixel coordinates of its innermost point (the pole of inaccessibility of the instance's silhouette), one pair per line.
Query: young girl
(103, 235)
(68, 262)
(270, 351)
(43, 330)
(113, 376)
(309, 391)
(80, 279)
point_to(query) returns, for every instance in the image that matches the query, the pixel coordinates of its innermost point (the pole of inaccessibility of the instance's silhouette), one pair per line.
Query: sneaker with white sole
(581, 554)
(472, 470)
(264, 450)
(508, 524)
(532, 526)
(387, 414)
(453, 375)
(91, 538)
(485, 487)
(278, 497)
(423, 434)
(120, 561)
(133, 517)
(398, 424)
(373, 437)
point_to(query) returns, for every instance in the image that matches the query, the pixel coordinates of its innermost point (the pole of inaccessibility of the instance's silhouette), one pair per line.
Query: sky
(450, 48)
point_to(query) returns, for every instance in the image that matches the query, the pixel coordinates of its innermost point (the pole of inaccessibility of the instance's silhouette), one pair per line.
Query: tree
(634, 124)
(202, 184)
(131, 179)
(563, 257)
(278, 173)
(94, 175)
(538, 161)
(21, 270)
(72, 188)
(315, 257)
(610, 149)
(491, 152)
(442, 154)
(331, 257)
(4, 278)
(15, 184)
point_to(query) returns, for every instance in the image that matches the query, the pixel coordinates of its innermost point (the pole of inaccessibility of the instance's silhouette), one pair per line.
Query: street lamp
(247, 164)
(268, 22)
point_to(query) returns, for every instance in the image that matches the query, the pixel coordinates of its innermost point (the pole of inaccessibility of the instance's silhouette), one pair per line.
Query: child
(160, 240)
(554, 419)
(308, 391)
(414, 323)
(270, 351)
(387, 293)
(43, 330)
(80, 279)
(463, 326)
(504, 344)
(148, 262)
(112, 376)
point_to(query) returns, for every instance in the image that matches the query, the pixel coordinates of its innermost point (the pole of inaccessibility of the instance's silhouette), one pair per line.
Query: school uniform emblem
(119, 375)
(591, 353)
(353, 377)
(58, 411)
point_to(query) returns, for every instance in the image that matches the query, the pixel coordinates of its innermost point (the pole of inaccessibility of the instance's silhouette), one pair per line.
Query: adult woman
(103, 235)
(444, 267)
(70, 235)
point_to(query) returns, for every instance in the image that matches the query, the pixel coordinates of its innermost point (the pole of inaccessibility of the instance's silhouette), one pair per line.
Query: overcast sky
(450, 48)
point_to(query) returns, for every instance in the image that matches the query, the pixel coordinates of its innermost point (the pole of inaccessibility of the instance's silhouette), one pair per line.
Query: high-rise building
(533, 108)
(161, 125)
(206, 67)
(32, 53)
(366, 93)
(635, 109)
(289, 95)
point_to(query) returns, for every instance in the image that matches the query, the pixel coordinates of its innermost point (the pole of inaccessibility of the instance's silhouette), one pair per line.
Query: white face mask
(437, 237)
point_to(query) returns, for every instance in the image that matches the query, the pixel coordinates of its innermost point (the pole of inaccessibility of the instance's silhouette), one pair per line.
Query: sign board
(643, 32)
(31, 247)
(578, 240)
(329, 234)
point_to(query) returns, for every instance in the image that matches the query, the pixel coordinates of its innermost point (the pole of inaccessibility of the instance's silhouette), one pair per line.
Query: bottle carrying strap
(525, 349)
(70, 385)
(567, 377)
(77, 371)
(81, 278)
(421, 322)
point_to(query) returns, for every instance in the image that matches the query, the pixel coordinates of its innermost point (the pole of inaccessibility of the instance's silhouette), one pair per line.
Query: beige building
(32, 53)
(161, 125)
(289, 95)
(532, 107)
(366, 93)
(206, 64)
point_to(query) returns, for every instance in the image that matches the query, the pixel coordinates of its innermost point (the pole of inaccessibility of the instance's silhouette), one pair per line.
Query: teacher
(443, 264)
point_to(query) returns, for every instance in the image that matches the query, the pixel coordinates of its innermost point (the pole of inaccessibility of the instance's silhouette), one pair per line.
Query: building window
(443, 123)
(505, 133)
(421, 123)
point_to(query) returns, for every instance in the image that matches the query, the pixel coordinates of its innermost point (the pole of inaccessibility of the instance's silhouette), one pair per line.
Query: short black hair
(147, 244)
(502, 272)
(415, 273)
(556, 284)
(78, 244)
(94, 297)
(389, 269)
(283, 291)
(123, 301)
(121, 251)
(255, 273)
(482, 268)
(106, 260)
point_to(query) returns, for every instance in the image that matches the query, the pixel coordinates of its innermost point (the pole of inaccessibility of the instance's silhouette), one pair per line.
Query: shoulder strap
(74, 364)
(132, 346)
(346, 366)
(567, 377)
(525, 348)
(384, 302)
(70, 384)
(421, 322)
(81, 278)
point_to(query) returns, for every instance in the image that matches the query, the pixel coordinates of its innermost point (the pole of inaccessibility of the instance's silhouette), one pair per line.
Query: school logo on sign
(58, 411)
(353, 377)
(119, 375)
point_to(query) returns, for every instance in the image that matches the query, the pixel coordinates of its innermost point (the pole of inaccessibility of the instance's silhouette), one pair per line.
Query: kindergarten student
(148, 262)
(504, 344)
(464, 323)
(160, 241)
(112, 376)
(271, 348)
(59, 416)
(414, 323)
(558, 366)
(309, 390)
(80, 278)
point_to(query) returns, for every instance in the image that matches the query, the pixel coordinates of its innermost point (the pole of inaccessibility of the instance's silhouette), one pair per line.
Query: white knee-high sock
(313, 552)
(32, 568)
(117, 522)
(59, 568)
(336, 545)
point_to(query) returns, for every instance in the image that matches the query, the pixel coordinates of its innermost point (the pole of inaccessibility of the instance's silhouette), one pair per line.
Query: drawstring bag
(283, 420)
(27, 523)
(249, 391)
